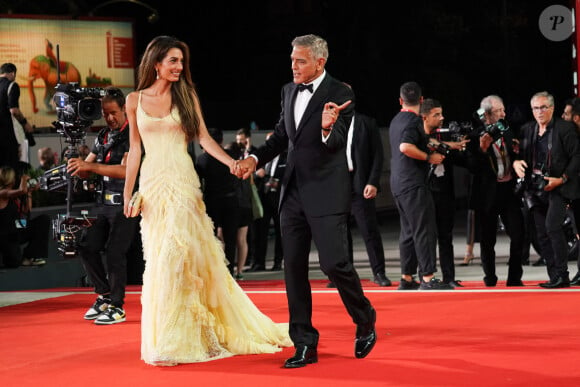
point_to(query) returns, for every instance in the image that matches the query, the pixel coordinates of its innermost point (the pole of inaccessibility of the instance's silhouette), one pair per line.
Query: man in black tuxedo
(494, 180)
(316, 195)
(550, 160)
(365, 162)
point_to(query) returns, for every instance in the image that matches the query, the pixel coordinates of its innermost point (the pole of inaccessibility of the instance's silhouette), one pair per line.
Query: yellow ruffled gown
(192, 308)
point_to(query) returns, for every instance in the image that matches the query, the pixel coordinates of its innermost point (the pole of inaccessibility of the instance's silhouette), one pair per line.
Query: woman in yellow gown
(192, 308)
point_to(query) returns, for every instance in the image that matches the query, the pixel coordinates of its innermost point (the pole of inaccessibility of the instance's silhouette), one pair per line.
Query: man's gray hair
(543, 94)
(317, 45)
(487, 103)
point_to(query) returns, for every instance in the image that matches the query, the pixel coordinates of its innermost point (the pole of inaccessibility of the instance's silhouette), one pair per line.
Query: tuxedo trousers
(329, 234)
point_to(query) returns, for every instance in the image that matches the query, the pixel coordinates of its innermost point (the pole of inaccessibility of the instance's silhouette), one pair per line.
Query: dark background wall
(459, 51)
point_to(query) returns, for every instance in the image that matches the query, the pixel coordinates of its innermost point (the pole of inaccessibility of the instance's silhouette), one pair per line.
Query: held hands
(331, 112)
(245, 167)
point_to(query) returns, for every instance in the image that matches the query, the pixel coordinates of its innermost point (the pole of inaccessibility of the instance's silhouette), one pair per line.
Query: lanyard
(108, 156)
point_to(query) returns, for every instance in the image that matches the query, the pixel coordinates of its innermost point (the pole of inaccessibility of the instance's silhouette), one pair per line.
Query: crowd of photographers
(531, 170)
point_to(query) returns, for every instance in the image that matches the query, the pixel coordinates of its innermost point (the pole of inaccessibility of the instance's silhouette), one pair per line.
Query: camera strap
(548, 160)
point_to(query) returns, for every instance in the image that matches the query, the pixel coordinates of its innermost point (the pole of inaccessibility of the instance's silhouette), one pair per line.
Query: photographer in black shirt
(441, 183)
(549, 163)
(112, 231)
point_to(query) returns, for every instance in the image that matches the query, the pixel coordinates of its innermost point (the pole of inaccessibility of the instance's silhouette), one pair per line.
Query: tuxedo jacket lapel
(289, 111)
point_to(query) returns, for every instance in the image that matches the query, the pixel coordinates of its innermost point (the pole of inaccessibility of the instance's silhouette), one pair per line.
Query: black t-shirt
(540, 154)
(110, 147)
(407, 173)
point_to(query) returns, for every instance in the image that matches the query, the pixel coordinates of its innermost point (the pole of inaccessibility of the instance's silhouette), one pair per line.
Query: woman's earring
(156, 74)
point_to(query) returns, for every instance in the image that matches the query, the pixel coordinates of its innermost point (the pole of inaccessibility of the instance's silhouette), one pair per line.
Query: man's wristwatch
(564, 178)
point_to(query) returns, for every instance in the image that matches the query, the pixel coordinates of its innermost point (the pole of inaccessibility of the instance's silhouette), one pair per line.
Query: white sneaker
(112, 315)
(100, 305)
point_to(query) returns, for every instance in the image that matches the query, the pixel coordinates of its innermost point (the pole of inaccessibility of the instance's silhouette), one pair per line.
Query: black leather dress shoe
(366, 337)
(575, 280)
(514, 283)
(455, 284)
(304, 355)
(556, 284)
(382, 280)
(276, 267)
(490, 281)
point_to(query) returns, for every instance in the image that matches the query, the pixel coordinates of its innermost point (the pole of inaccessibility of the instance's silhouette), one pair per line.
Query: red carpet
(456, 338)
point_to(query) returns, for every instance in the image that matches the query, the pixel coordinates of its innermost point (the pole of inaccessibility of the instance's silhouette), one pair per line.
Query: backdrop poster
(94, 53)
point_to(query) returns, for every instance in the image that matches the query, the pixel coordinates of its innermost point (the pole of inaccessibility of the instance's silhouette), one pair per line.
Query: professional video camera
(456, 131)
(76, 109)
(496, 130)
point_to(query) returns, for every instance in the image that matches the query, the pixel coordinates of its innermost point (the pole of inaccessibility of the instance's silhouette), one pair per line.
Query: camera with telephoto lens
(533, 185)
(533, 182)
(456, 131)
(496, 131)
(76, 108)
(537, 182)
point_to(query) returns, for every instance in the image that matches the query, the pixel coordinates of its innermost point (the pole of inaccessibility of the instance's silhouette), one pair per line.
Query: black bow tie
(302, 87)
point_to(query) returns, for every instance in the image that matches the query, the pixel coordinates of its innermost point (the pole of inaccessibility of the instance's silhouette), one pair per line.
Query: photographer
(441, 183)
(112, 231)
(493, 188)
(549, 164)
